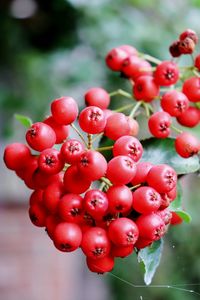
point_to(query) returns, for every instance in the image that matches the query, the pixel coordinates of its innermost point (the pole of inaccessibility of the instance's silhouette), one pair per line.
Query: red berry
(166, 73)
(128, 145)
(186, 46)
(97, 97)
(190, 118)
(70, 208)
(151, 227)
(191, 88)
(174, 102)
(176, 219)
(187, 145)
(165, 215)
(123, 232)
(52, 195)
(96, 203)
(37, 214)
(121, 169)
(145, 88)
(162, 178)
(16, 156)
(67, 236)
(130, 50)
(50, 161)
(189, 33)
(120, 199)
(135, 67)
(95, 243)
(36, 197)
(71, 151)
(134, 126)
(146, 200)
(40, 136)
(115, 58)
(159, 124)
(92, 120)
(51, 222)
(117, 125)
(143, 243)
(64, 110)
(142, 169)
(42, 180)
(197, 62)
(61, 131)
(100, 266)
(167, 198)
(92, 165)
(75, 182)
(174, 49)
(121, 251)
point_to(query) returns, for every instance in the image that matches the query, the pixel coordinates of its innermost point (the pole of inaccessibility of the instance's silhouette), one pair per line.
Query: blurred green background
(53, 48)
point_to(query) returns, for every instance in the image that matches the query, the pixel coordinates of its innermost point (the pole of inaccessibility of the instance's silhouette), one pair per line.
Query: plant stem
(79, 134)
(135, 108)
(135, 186)
(102, 186)
(106, 181)
(150, 58)
(121, 93)
(124, 107)
(89, 145)
(97, 136)
(104, 148)
(146, 107)
(176, 129)
(196, 73)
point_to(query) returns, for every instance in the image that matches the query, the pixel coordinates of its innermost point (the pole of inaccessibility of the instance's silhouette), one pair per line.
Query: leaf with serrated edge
(158, 151)
(25, 121)
(149, 258)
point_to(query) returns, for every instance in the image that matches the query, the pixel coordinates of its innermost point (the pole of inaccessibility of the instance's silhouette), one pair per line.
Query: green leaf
(159, 151)
(149, 258)
(25, 121)
(176, 206)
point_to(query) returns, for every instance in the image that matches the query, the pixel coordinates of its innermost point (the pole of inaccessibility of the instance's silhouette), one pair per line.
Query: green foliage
(25, 121)
(149, 258)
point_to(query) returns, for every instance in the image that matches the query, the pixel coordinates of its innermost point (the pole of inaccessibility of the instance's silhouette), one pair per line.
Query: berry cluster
(178, 99)
(130, 208)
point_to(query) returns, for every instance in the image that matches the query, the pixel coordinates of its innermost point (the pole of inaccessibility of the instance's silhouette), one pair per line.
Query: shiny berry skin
(36, 197)
(176, 219)
(96, 203)
(71, 151)
(159, 124)
(174, 49)
(146, 200)
(145, 88)
(121, 251)
(134, 126)
(165, 215)
(190, 118)
(120, 199)
(117, 125)
(95, 243)
(67, 236)
(40, 136)
(123, 232)
(162, 178)
(191, 88)
(52, 195)
(186, 46)
(151, 227)
(142, 169)
(166, 73)
(167, 198)
(128, 145)
(115, 58)
(143, 243)
(121, 169)
(16, 156)
(70, 208)
(134, 67)
(61, 131)
(92, 120)
(108, 113)
(51, 222)
(50, 161)
(130, 50)
(64, 110)
(189, 33)
(97, 96)
(75, 182)
(101, 265)
(92, 165)
(174, 102)
(187, 145)
(42, 180)
(197, 62)
(37, 214)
